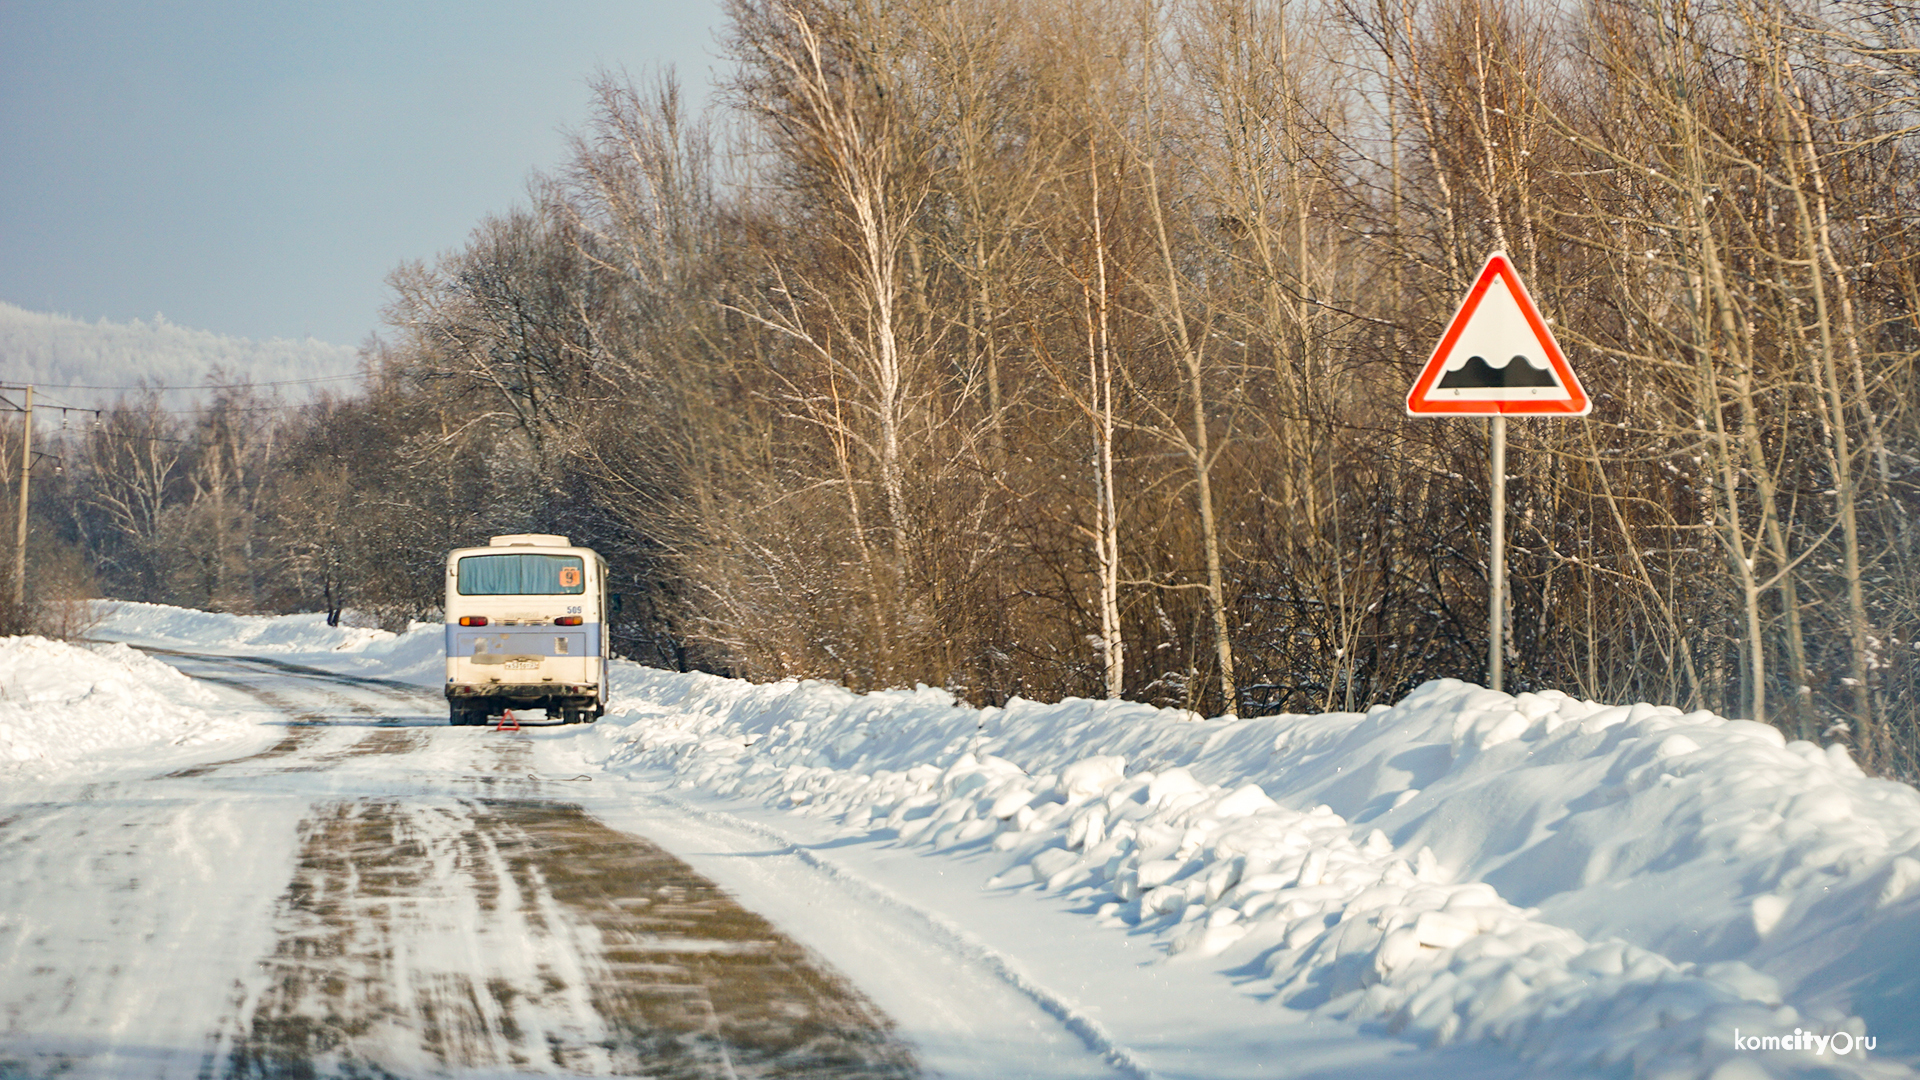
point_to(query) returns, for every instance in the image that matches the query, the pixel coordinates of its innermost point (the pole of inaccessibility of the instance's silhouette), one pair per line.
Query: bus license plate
(523, 665)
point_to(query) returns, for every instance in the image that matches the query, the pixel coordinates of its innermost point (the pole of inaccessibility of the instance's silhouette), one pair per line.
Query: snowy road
(374, 892)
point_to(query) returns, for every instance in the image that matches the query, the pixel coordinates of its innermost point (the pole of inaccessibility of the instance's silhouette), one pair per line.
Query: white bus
(526, 629)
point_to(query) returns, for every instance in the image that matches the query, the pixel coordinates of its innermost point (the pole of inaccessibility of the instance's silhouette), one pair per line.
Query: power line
(65, 407)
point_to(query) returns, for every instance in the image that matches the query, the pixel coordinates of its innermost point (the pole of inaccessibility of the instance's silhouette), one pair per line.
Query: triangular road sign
(1497, 357)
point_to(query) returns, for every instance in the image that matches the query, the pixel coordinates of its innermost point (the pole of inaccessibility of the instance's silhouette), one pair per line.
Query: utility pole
(26, 475)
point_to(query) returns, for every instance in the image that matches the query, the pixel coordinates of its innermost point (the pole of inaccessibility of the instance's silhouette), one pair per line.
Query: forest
(1060, 347)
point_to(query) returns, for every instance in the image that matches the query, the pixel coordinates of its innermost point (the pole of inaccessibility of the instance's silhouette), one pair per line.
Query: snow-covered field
(1462, 880)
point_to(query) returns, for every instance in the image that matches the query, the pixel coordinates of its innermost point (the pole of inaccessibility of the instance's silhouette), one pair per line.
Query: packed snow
(1590, 889)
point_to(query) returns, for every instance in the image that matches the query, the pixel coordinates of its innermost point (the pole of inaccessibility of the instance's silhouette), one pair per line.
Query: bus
(526, 629)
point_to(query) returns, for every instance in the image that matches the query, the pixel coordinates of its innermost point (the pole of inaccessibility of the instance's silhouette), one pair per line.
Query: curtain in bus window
(521, 575)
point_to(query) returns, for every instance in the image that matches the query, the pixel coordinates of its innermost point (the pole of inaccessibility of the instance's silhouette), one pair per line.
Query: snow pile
(62, 704)
(1623, 888)
(212, 630)
(417, 656)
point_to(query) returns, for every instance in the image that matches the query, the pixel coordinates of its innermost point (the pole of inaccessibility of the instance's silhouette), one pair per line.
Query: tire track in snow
(523, 933)
(435, 932)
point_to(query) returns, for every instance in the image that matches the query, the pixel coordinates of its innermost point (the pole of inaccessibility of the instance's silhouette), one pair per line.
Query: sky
(257, 169)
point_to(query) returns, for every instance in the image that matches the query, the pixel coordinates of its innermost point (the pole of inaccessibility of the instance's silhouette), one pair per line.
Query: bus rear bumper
(522, 691)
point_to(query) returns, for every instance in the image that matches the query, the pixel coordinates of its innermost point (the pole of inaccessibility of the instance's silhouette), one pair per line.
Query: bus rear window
(521, 575)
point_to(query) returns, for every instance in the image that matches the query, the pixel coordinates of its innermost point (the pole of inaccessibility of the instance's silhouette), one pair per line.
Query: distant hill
(82, 363)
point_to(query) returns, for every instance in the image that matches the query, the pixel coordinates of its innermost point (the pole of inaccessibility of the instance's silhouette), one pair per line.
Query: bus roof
(529, 540)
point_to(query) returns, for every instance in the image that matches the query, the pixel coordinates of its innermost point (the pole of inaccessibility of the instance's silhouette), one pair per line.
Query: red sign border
(1498, 265)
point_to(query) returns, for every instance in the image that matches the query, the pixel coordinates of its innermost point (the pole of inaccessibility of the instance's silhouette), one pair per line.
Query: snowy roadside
(1611, 889)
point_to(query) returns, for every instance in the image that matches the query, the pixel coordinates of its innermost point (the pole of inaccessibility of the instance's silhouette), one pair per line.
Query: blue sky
(256, 169)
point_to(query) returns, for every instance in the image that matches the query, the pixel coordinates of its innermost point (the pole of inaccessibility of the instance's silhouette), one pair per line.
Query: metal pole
(1497, 558)
(26, 474)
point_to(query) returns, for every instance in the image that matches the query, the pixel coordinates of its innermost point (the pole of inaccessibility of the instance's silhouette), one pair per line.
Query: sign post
(1497, 359)
(1497, 551)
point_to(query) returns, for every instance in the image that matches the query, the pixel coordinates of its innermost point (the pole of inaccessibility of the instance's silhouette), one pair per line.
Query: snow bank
(203, 630)
(417, 656)
(62, 704)
(1627, 889)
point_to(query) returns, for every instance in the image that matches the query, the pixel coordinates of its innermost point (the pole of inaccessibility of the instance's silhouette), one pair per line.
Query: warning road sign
(1497, 357)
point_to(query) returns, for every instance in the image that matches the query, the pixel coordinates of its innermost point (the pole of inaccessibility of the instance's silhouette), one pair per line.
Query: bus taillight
(567, 620)
(473, 620)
